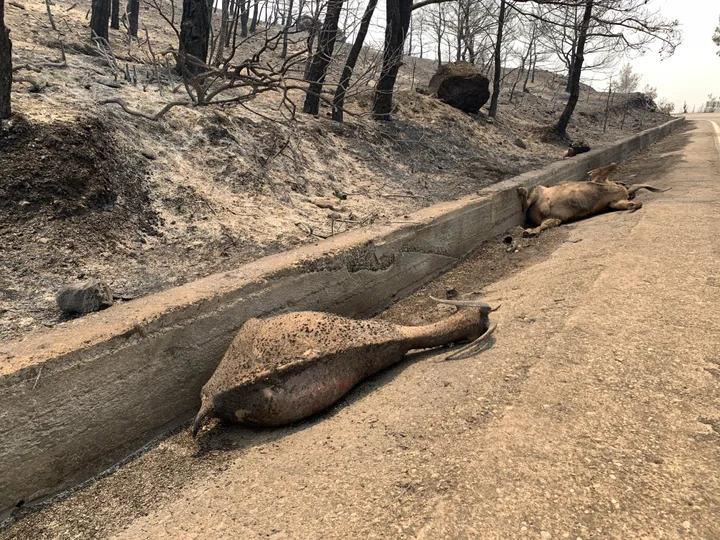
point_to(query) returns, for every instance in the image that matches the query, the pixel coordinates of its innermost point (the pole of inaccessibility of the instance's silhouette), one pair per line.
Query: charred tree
(223, 38)
(322, 56)
(576, 72)
(100, 18)
(115, 15)
(194, 34)
(244, 16)
(498, 67)
(133, 17)
(254, 21)
(398, 22)
(339, 99)
(286, 28)
(561, 127)
(5, 66)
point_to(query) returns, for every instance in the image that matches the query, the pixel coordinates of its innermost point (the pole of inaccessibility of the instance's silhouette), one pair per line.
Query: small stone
(44, 240)
(520, 143)
(86, 297)
(686, 524)
(147, 154)
(545, 534)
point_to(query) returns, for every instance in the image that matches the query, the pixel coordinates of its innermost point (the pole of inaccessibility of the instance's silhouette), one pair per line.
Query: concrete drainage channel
(79, 398)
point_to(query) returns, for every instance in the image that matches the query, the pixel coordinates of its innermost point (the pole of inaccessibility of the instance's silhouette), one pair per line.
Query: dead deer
(547, 207)
(288, 367)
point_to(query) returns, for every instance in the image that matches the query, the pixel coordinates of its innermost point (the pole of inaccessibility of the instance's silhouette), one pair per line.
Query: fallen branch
(154, 117)
(28, 67)
(35, 86)
(110, 84)
(401, 196)
(17, 5)
(63, 59)
(309, 231)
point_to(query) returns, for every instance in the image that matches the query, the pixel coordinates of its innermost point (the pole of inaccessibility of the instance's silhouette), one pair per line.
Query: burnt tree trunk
(561, 127)
(498, 68)
(253, 23)
(568, 84)
(223, 38)
(5, 66)
(286, 29)
(339, 99)
(322, 57)
(115, 15)
(133, 17)
(244, 16)
(100, 18)
(194, 34)
(398, 22)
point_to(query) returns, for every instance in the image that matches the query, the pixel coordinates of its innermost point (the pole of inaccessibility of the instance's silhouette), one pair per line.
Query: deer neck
(464, 325)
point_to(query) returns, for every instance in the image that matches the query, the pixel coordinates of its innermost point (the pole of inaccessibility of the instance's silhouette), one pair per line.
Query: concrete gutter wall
(78, 398)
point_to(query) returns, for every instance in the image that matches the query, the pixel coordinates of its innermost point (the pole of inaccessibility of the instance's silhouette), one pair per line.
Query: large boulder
(461, 86)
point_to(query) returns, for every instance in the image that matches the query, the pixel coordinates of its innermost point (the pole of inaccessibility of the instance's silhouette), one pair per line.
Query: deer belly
(297, 396)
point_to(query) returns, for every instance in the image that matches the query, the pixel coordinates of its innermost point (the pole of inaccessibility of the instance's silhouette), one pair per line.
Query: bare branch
(154, 117)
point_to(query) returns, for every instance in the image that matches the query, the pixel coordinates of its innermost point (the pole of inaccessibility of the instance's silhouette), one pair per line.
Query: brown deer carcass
(547, 207)
(288, 367)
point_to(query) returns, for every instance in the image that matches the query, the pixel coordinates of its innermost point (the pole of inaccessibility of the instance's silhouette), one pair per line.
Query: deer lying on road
(288, 367)
(547, 207)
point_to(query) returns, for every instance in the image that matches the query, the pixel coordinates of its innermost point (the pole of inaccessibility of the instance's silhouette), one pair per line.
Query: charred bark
(100, 18)
(498, 67)
(115, 15)
(133, 17)
(339, 99)
(322, 57)
(224, 37)
(286, 29)
(194, 34)
(244, 16)
(5, 66)
(398, 22)
(253, 23)
(561, 127)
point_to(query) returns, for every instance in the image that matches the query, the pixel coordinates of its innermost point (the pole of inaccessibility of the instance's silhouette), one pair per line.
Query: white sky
(693, 71)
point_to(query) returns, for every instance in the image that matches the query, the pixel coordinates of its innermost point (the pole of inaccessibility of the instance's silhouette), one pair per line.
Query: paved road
(594, 414)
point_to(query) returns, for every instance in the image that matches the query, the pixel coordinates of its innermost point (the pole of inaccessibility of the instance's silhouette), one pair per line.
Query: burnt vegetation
(151, 142)
(227, 51)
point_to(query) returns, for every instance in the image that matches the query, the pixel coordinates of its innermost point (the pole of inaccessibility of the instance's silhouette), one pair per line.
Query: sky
(693, 71)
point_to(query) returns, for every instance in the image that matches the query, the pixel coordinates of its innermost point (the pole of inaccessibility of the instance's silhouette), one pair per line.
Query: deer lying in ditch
(288, 367)
(547, 207)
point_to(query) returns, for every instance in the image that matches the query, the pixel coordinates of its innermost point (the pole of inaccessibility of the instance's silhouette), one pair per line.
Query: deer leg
(523, 193)
(626, 205)
(547, 224)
